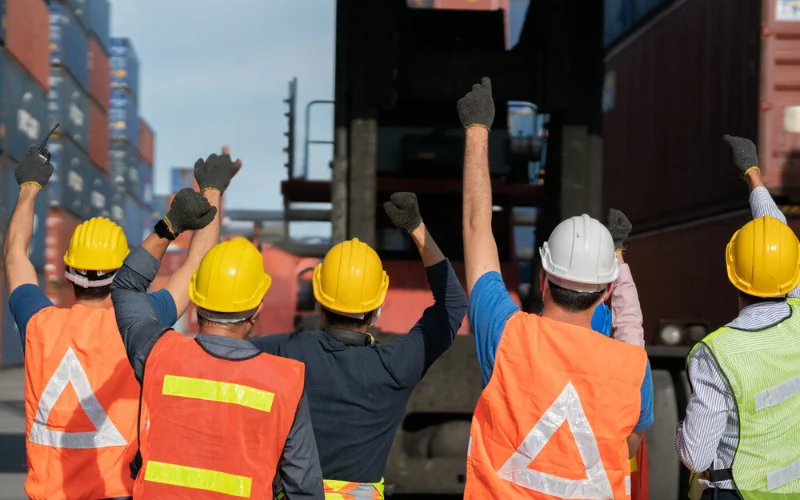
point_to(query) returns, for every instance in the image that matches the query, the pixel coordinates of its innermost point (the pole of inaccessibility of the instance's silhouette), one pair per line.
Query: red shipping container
(27, 24)
(99, 74)
(60, 294)
(147, 142)
(98, 136)
(60, 226)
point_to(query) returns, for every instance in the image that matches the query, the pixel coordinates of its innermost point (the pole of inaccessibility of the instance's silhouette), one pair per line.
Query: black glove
(216, 172)
(619, 226)
(745, 156)
(189, 211)
(477, 107)
(35, 167)
(402, 208)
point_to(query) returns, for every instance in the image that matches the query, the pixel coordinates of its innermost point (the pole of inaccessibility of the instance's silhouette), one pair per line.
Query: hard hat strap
(575, 286)
(225, 318)
(78, 276)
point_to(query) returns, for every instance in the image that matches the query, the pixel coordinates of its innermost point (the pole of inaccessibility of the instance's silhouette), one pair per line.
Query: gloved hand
(619, 226)
(745, 156)
(477, 107)
(35, 167)
(216, 172)
(402, 208)
(189, 211)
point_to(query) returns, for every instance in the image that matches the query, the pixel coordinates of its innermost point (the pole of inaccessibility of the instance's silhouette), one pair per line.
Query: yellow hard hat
(230, 278)
(763, 258)
(351, 279)
(97, 244)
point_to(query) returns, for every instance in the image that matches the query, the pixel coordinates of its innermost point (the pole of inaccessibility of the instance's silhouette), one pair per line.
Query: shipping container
(39, 215)
(133, 221)
(666, 262)
(98, 136)
(69, 43)
(99, 74)
(60, 226)
(621, 16)
(61, 294)
(159, 204)
(672, 90)
(27, 36)
(147, 142)
(118, 197)
(25, 109)
(123, 162)
(172, 262)
(144, 193)
(68, 186)
(100, 22)
(68, 105)
(123, 118)
(182, 177)
(99, 192)
(79, 7)
(124, 66)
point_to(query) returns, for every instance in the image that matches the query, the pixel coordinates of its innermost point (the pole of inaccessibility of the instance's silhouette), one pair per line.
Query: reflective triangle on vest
(567, 407)
(71, 371)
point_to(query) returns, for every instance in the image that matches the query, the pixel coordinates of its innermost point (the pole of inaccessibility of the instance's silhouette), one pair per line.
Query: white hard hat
(580, 255)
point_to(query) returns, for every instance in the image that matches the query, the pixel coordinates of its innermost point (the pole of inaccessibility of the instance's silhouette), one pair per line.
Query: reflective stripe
(222, 392)
(199, 479)
(783, 476)
(627, 485)
(347, 490)
(634, 465)
(469, 446)
(567, 407)
(778, 394)
(70, 371)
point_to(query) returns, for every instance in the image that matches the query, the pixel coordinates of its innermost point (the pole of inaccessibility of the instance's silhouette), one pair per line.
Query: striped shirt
(709, 436)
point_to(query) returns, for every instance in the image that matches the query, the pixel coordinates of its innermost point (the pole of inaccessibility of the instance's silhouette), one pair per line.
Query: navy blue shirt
(358, 394)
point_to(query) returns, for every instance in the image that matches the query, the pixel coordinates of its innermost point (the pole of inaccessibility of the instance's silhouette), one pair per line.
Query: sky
(215, 72)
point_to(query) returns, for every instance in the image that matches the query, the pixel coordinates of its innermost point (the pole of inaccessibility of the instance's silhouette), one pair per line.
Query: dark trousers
(716, 494)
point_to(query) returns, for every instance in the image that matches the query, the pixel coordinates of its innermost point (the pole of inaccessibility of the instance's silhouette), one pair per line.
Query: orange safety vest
(554, 418)
(213, 428)
(80, 405)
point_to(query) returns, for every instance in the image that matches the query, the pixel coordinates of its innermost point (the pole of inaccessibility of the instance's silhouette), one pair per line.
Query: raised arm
(213, 176)
(625, 307)
(137, 320)
(32, 174)
(476, 111)
(299, 471)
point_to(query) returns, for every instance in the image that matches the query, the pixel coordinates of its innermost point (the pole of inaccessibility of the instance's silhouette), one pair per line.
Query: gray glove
(189, 211)
(35, 167)
(477, 107)
(619, 226)
(402, 208)
(745, 156)
(216, 172)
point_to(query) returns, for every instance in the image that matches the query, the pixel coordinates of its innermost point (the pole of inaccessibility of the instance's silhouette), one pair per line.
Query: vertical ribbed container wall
(98, 136)
(68, 105)
(25, 109)
(98, 189)
(39, 215)
(145, 192)
(60, 226)
(27, 36)
(123, 118)
(123, 160)
(181, 177)
(133, 221)
(100, 22)
(68, 187)
(672, 89)
(124, 66)
(69, 43)
(147, 142)
(99, 74)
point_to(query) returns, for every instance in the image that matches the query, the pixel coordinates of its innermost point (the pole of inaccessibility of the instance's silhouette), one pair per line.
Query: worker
(358, 388)
(217, 418)
(79, 440)
(548, 370)
(744, 410)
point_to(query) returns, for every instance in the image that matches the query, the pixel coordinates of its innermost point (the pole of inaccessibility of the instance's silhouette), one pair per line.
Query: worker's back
(81, 401)
(357, 396)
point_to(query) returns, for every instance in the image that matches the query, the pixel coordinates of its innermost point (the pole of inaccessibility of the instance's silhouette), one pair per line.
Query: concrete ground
(12, 434)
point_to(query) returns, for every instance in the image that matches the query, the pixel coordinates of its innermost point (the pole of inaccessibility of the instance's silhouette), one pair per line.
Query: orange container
(98, 136)
(147, 142)
(60, 225)
(27, 24)
(60, 294)
(99, 74)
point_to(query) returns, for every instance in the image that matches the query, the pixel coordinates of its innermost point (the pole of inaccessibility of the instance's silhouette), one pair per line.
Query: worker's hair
(749, 300)
(573, 301)
(93, 293)
(346, 322)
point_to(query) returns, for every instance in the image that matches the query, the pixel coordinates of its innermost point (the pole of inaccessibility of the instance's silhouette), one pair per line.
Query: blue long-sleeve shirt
(358, 394)
(490, 306)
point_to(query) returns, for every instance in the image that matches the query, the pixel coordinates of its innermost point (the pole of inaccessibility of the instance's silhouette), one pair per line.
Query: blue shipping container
(79, 7)
(117, 205)
(124, 65)
(25, 110)
(69, 43)
(100, 22)
(3, 20)
(123, 162)
(133, 221)
(69, 186)
(123, 117)
(39, 214)
(159, 205)
(620, 16)
(182, 177)
(69, 106)
(145, 192)
(99, 192)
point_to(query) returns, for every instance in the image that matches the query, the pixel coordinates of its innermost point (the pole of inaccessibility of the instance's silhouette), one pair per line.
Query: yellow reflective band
(199, 479)
(634, 466)
(222, 392)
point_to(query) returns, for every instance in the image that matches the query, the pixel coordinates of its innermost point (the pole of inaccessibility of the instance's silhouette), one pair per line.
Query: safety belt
(350, 337)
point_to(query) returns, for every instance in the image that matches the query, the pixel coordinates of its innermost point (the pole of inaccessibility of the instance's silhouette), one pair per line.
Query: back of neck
(96, 304)
(555, 313)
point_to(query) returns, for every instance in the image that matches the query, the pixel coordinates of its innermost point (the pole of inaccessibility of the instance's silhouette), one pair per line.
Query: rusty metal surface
(673, 88)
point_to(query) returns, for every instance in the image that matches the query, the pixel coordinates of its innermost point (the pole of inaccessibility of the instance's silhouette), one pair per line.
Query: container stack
(25, 79)
(130, 158)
